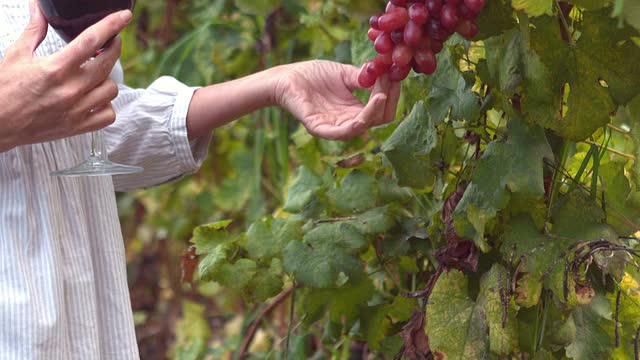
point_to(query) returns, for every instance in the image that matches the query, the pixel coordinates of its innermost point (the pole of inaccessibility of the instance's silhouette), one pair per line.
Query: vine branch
(248, 338)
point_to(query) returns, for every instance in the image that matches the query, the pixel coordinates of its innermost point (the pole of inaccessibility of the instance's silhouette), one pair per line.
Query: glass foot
(95, 166)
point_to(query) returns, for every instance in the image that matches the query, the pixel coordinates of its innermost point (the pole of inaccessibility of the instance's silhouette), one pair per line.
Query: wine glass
(69, 18)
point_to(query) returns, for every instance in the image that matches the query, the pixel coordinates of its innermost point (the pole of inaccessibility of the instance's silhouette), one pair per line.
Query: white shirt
(63, 284)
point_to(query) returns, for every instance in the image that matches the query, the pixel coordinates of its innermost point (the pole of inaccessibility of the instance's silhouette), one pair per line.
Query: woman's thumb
(34, 33)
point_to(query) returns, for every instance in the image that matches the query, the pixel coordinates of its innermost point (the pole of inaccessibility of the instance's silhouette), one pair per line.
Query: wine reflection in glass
(69, 18)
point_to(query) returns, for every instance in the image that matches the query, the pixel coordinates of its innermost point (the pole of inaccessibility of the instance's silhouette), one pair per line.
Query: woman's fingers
(95, 71)
(98, 97)
(392, 102)
(87, 44)
(372, 113)
(97, 119)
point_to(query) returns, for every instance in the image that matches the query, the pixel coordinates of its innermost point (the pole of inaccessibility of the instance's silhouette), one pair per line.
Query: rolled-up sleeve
(151, 131)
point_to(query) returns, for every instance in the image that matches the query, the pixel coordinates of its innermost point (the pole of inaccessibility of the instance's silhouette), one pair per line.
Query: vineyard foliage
(495, 218)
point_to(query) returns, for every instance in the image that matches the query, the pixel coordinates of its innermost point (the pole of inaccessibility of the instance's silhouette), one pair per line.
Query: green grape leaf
(212, 262)
(389, 191)
(533, 7)
(576, 218)
(362, 49)
(451, 93)
(629, 11)
(573, 213)
(235, 276)
(267, 238)
(504, 62)
(593, 80)
(258, 7)
(621, 212)
(604, 50)
(207, 237)
(460, 328)
(503, 340)
(192, 332)
(522, 241)
(629, 315)
(319, 267)
(631, 116)
(374, 221)
(374, 324)
(213, 241)
(591, 4)
(360, 9)
(266, 283)
(303, 191)
(511, 166)
(336, 235)
(456, 328)
(341, 303)
(594, 326)
(401, 308)
(495, 18)
(357, 192)
(408, 149)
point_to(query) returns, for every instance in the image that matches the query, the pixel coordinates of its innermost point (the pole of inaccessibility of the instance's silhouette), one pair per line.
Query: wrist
(279, 79)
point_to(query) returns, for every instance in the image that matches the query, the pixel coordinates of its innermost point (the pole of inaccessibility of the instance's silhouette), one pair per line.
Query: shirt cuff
(190, 154)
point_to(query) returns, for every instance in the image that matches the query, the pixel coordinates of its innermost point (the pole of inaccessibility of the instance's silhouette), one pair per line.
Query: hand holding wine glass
(63, 94)
(78, 19)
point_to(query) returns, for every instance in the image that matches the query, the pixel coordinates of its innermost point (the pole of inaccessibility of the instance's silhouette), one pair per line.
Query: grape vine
(496, 218)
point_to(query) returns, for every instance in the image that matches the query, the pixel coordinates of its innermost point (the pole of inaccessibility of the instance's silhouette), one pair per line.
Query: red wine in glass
(70, 18)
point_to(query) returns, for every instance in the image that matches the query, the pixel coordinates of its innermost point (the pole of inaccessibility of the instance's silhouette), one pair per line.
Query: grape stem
(564, 23)
(277, 300)
(613, 151)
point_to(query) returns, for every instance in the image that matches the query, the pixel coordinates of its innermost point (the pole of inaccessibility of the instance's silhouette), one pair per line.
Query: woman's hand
(319, 94)
(65, 94)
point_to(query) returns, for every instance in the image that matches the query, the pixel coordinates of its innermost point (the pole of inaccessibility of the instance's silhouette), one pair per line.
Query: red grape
(383, 44)
(373, 34)
(367, 76)
(402, 54)
(425, 43)
(436, 31)
(393, 20)
(418, 13)
(412, 33)
(397, 36)
(466, 13)
(399, 72)
(474, 5)
(385, 58)
(449, 17)
(373, 22)
(426, 62)
(434, 7)
(467, 28)
(436, 46)
(402, 3)
(382, 64)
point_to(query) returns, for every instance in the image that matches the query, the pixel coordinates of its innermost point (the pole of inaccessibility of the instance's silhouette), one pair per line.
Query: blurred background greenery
(203, 42)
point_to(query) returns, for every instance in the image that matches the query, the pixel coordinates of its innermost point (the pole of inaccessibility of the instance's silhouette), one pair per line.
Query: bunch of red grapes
(410, 32)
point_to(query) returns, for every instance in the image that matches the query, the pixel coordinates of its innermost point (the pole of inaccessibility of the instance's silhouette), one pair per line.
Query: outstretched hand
(320, 94)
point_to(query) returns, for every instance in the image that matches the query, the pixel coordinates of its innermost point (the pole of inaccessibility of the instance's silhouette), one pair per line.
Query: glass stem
(98, 147)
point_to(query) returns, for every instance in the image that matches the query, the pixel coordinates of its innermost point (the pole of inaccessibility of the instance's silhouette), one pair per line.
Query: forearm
(217, 105)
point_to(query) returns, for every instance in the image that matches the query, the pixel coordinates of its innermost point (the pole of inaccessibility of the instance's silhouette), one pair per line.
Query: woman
(63, 290)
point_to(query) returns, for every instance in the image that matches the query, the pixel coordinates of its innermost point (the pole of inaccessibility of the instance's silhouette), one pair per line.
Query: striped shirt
(63, 284)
